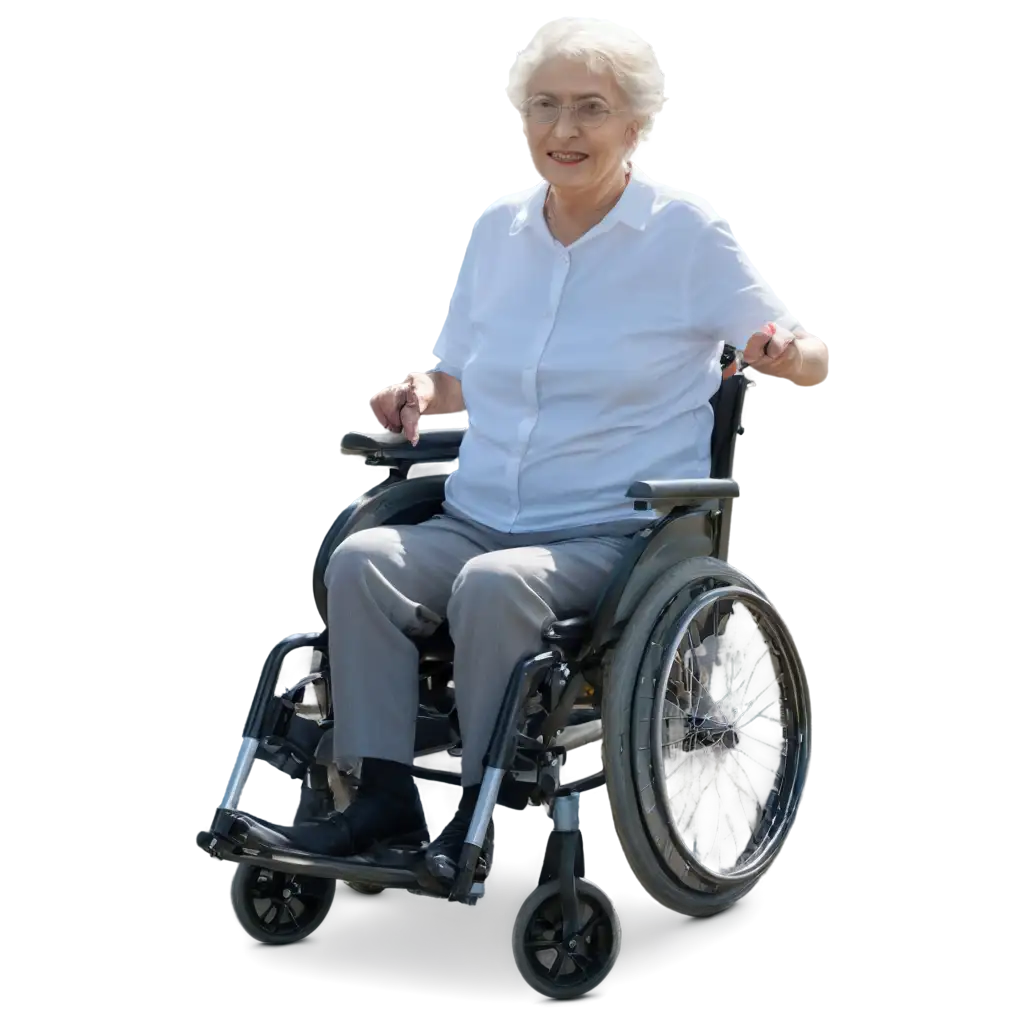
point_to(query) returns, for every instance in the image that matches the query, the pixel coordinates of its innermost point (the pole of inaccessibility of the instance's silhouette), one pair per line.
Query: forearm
(441, 391)
(810, 370)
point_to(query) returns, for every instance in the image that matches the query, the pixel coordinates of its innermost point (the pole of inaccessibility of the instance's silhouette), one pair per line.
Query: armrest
(648, 493)
(382, 449)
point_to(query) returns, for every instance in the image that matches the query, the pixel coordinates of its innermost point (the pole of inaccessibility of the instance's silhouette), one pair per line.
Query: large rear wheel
(706, 737)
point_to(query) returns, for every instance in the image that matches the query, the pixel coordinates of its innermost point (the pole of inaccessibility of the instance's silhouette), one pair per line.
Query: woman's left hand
(772, 352)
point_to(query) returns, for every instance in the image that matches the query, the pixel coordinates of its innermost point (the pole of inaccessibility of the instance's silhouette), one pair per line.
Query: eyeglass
(590, 113)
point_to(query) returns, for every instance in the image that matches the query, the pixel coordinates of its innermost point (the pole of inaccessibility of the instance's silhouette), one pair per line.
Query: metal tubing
(268, 678)
(573, 736)
(567, 814)
(243, 755)
(501, 750)
(485, 805)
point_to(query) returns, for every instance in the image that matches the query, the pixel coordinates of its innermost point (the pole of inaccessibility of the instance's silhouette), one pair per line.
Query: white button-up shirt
(587, 367)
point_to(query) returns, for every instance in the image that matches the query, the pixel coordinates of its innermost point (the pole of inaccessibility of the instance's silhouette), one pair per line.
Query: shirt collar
(633, 208)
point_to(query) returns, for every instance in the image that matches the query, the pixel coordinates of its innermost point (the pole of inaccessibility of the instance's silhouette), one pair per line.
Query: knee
(488, 586)
(354, 557)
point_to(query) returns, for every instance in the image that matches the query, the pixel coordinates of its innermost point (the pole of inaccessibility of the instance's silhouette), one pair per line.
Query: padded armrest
(682, 492)
(434, 446)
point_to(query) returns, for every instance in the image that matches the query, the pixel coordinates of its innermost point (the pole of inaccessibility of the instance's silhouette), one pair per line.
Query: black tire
(278, 908)
(658, 865)
(365, 888)
(540, 921)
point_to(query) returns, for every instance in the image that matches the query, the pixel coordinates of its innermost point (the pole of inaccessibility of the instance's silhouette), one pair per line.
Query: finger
(769, 343)
(779, 344)
(404, 408)
(396, 409)
(410, 422)
(395, 405)
(375, 406)
(755, 348)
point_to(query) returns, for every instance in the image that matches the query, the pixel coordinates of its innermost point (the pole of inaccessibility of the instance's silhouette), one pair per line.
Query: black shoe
(386, 809)
(445, 852)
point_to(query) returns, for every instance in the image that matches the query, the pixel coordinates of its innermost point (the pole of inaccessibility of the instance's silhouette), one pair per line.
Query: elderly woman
(584, 340)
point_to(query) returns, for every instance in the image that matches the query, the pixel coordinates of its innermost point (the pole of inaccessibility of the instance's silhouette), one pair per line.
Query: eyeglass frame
(568, 106)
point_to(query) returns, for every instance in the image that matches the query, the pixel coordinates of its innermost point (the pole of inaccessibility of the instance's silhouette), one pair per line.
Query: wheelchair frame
(521, 765)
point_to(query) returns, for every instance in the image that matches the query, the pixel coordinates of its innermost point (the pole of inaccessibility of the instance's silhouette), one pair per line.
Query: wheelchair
(684, 672)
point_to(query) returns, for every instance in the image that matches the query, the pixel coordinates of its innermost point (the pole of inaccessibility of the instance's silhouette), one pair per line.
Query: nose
(565, 125)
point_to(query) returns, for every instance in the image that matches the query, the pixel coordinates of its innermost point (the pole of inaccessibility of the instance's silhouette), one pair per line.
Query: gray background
(217, 232)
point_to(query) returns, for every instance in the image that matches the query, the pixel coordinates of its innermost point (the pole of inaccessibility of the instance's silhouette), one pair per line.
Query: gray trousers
(498, 591)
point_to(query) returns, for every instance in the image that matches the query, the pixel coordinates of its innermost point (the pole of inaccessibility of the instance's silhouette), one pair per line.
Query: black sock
(390, 777)
(470, 795)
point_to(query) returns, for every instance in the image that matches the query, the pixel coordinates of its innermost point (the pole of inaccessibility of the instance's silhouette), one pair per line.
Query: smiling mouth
(567, 157)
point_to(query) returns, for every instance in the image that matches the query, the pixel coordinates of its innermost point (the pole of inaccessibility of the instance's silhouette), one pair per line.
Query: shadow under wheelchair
(395, 942)
(425, 949)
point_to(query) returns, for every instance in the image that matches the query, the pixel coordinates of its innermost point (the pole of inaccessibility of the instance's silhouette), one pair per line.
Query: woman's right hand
(398, 408)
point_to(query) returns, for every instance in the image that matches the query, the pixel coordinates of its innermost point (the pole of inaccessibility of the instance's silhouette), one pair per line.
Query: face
(603, 149)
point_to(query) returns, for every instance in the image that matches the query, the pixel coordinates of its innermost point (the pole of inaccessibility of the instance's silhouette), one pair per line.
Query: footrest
(395, 855)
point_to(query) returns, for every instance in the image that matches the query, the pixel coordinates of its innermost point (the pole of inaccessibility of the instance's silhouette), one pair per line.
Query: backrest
(727, 404)
(689, 535)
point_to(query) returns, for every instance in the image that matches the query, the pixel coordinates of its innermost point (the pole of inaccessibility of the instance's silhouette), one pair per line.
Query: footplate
(391, 867)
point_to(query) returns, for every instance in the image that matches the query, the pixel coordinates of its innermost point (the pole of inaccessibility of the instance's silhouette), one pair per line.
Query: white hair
(601, 45)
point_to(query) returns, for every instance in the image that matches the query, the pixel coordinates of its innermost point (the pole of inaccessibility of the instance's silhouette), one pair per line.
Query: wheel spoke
(275, 907)
(583, 963)
(750, 790)
(714, 705)
(696, 807)
(750, 757)
(717, 702)
(743, 723)
(739, 716)
(587, 931)
(750, 737)
(286, 908)
(550, 919)
(556, 968)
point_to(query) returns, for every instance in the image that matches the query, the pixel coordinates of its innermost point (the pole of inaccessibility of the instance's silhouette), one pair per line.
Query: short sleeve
(454, 343)
(729, 300)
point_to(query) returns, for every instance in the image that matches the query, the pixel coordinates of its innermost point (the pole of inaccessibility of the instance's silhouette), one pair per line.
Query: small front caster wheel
(278, 908)
(365, 888)
(560, 965)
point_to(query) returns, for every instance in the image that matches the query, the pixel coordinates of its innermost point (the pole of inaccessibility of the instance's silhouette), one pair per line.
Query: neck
(589, 204)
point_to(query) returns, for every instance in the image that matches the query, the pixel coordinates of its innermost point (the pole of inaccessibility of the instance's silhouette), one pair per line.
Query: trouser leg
(500, 604)
(385, 586)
